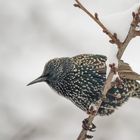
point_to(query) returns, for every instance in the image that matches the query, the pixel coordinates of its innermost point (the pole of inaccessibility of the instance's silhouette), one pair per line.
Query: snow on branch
(132, 33)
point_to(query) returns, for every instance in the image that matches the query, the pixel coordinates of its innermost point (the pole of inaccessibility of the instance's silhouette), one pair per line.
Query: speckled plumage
(81, 80)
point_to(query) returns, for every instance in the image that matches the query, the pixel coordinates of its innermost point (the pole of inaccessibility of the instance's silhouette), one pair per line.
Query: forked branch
(132, 33)
(95, 17)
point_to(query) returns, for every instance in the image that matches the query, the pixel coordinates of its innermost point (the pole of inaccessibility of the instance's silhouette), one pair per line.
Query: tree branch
(113, 37)
(131, 34)
(121, 48)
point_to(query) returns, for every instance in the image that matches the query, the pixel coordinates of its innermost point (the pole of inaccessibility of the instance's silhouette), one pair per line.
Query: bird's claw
(86, 126)
(89, 136)
(90, 128)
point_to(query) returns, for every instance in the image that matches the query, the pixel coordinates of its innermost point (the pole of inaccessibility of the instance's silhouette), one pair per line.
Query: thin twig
(131, 34)
(113, 37)
(121, 48)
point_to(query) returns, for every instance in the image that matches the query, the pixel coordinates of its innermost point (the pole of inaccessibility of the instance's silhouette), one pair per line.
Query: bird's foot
(86, 126)
(92, 110)
(89, 136)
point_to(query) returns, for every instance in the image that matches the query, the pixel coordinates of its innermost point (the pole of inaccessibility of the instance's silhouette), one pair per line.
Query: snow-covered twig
(113, 37)
(132, 33)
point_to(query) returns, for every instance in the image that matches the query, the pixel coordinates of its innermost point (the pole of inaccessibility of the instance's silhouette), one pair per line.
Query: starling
(81, 79)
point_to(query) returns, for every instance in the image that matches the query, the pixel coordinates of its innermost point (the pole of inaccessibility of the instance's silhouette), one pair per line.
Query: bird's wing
(90, 74)
(90, 60)
(126, 72)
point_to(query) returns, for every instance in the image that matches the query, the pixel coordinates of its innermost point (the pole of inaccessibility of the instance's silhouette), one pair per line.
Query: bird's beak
(39, 79)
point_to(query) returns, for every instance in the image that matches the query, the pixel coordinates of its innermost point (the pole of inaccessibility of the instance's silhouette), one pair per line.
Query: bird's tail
(137, 90)
(126, 72)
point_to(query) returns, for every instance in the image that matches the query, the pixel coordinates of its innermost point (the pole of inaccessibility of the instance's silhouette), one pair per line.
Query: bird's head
(54, 71)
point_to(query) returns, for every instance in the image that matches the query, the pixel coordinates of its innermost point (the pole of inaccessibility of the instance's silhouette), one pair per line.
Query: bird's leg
(91, 110)
(87, 127)
(89, 136)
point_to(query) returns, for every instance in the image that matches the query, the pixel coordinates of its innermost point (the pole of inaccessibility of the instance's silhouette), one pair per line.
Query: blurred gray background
(34, 31)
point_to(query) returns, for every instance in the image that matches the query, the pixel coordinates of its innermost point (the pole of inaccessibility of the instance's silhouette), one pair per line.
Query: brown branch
(131, 34)
(113, 37)
(121, 48)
